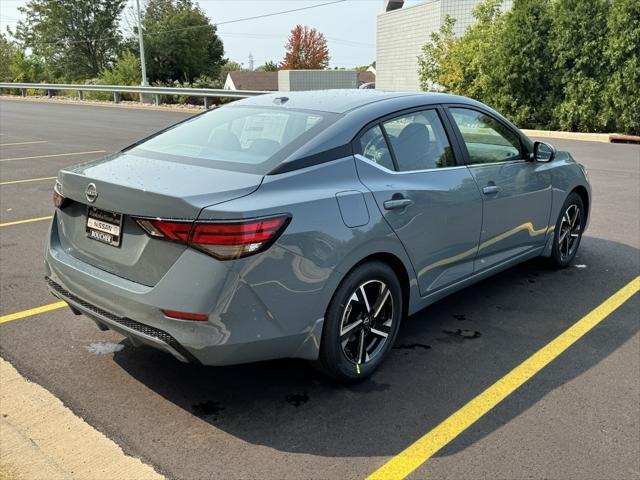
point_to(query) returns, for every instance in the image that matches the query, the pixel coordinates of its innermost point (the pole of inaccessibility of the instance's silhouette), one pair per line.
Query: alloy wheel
(570, 229)
(366, 321)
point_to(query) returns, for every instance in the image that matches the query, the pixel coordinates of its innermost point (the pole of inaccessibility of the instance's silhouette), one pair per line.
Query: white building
(402, 32)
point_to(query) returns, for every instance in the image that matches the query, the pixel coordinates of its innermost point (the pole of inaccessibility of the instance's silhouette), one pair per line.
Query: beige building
(402, 31)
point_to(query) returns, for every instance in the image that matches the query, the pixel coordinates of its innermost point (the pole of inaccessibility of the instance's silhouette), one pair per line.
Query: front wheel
(568, 232)
(361, 323)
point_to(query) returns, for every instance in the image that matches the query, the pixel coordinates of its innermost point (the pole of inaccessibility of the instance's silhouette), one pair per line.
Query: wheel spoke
(362, 298)
(575, 217)
(379, 333)
(563, 235)
(360, 347)
(382, 299)
(350, 327)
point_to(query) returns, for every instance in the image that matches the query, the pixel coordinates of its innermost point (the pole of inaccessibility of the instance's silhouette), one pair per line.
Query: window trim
(463, 146)
(444, 120)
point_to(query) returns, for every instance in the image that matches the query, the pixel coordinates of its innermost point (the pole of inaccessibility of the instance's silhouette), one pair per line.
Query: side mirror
(543, 152)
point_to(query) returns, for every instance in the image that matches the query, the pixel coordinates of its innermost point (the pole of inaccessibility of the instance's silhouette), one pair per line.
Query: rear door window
(374, 146)
(419, 141)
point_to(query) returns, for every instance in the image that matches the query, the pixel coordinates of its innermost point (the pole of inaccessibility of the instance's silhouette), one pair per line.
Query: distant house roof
(366, 77)
(252, 81)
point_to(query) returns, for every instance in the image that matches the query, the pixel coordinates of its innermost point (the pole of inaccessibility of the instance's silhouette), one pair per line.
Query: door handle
(489, 189)
(397, 203)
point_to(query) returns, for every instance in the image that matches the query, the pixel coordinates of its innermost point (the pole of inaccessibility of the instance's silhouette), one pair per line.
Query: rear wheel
(361, 323)
(568, 232)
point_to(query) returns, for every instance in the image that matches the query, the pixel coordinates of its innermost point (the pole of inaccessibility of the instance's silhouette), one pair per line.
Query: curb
(589, 137)
(42, 438)
(88, 103)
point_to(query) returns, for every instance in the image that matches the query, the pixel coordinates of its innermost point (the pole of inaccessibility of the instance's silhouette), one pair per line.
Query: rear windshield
(247, 139)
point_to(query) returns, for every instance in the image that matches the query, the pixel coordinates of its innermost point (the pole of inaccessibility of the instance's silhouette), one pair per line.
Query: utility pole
(142, 61)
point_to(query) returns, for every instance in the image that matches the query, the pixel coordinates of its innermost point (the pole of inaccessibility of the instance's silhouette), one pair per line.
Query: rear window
(247, 139)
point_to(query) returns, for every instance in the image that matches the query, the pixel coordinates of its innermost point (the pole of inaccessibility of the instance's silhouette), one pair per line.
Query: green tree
(25, 68)
(77, 39)
(180, 42)
(465, 65)
(7, 51)
(623, 55)
(437, 69)
(578, 40)
(524, 67)
(125, 71)
(268, 67)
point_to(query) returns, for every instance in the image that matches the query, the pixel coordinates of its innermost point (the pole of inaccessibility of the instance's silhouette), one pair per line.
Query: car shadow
(443, 357)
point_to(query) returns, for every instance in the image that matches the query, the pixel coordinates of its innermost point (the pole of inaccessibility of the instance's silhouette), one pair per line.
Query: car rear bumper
(241, 327)
(135, 331)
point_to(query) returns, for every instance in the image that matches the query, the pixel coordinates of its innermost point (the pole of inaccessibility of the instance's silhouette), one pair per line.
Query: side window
(375, 148)
(487, 139)
(419, 141)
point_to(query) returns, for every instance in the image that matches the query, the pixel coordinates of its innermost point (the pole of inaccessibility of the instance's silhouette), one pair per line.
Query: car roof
(340, 101)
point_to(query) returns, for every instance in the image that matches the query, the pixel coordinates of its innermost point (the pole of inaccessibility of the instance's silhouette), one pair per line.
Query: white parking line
(50, 156)
(22, 143)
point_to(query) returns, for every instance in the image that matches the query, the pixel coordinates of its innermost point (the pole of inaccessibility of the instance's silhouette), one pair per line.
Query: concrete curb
(41, 438)
(98, 103)
(589, 137)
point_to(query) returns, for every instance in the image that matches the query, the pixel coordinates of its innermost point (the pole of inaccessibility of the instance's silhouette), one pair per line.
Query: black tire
(338, 353)
(565, 243)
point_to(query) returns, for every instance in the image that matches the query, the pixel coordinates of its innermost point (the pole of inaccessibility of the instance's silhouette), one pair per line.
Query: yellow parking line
(13, 182)
(415, 455)
(32, 311)
(27, 220)
(50, 156)
(22, 143)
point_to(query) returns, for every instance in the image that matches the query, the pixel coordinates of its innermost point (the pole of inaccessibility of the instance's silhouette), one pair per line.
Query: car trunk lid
(137, 186)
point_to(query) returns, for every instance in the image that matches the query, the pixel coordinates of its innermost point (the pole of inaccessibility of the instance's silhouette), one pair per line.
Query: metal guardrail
(206, 93)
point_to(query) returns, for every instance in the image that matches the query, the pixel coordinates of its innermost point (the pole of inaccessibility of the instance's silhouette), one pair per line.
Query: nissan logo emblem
(91, 192)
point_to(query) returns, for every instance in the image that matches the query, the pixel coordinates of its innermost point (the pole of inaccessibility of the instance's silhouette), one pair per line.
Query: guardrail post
(207, 103)
(23, 92)
(80, 95)
(49, 95)
(156, 99)
(116, 97)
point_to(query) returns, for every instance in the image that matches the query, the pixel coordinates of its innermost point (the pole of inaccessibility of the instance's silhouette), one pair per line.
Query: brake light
(223, 240)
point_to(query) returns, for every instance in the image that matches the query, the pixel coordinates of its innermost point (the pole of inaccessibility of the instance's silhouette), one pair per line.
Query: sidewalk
(40, 438)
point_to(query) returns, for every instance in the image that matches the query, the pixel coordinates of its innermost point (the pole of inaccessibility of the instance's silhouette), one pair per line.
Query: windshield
(247, 139)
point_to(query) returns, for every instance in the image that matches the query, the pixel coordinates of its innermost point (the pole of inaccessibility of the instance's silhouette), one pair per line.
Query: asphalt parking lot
(579, 417)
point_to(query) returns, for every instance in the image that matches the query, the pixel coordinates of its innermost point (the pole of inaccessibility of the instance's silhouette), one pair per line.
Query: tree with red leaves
(306, 49)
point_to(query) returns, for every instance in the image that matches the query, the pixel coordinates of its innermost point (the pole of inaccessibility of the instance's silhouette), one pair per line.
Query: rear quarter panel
(302, 270)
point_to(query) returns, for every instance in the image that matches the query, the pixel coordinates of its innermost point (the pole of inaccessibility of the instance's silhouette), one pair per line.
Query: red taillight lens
(178, 231)
(223, 240)
(197, 317)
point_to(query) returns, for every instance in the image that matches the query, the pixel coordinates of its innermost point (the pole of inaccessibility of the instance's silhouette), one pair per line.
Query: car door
(516, 192)
(430, 201)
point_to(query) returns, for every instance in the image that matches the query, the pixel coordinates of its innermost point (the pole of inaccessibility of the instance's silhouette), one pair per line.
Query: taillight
(223, 240)
(58, 199)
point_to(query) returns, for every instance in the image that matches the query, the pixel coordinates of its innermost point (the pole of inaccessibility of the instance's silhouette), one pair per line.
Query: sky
(349, 26)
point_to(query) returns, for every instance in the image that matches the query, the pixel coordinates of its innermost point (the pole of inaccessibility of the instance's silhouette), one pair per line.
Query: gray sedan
(306, 224)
